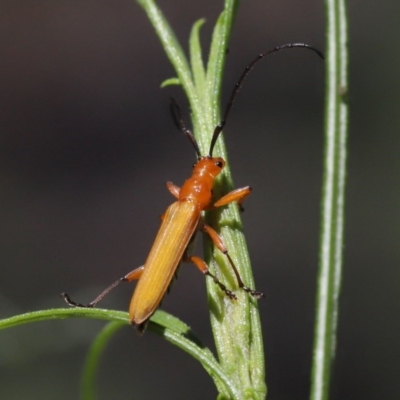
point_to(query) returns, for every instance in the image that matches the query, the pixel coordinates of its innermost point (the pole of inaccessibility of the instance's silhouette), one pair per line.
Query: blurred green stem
(92, 363)
(332, 224)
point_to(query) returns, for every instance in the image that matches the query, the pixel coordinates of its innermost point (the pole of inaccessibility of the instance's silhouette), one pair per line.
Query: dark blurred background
(87, 144)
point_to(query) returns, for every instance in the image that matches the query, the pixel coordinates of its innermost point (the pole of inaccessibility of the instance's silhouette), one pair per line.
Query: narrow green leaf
(88, 387)
(217, 59)
(62, 313)
(178, 59)
(172, 48)
(170, 82)
(196, 58)
(332, 223)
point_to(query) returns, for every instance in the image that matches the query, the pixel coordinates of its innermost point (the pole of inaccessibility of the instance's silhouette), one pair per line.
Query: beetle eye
(219, 164)
(194, 164)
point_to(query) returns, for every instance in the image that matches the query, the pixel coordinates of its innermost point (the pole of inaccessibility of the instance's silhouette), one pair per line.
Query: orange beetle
(181, 222)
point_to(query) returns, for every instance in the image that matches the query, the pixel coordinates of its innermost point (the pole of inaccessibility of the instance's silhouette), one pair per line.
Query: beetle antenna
(180, 123)
(242, 78)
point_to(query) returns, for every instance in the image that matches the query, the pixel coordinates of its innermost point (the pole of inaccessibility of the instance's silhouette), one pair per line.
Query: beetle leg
(219, 244)
(202, 266)
(237, 195)
(173, 189)
(131, 276)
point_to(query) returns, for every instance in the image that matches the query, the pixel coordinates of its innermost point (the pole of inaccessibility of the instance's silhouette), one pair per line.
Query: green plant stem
(92, 362)
(236, 325)
(332, 224)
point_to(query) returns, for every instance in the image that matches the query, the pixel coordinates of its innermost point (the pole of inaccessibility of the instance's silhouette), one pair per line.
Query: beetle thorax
(198, 187)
